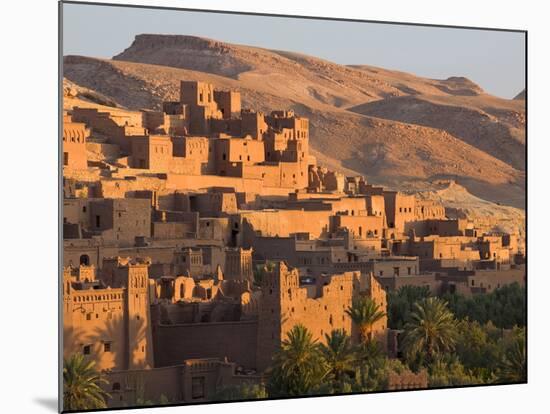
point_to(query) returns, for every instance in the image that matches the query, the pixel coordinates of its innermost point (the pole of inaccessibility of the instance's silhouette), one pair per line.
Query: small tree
(370, 374)
(432, 329)
(244, 391)
(513, 367)
(401, 303)
(364, 312)
(298, 368)
(81, 385)
(339, 357)
(446, 372)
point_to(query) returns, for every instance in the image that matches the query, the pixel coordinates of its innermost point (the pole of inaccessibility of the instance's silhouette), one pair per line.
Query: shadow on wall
(105, 341)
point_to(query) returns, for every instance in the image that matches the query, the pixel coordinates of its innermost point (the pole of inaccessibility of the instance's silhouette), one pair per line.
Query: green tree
(447, 372)
(339, 357)
(432, 329)
(298, 367)
(81, 385)
(244, 391)
(513, 367)
(479, 348)
(505, 306)
(364, 312)
(401, 302)
(372, 367)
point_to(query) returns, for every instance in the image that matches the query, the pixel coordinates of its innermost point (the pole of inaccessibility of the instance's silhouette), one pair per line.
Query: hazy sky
(494, 60)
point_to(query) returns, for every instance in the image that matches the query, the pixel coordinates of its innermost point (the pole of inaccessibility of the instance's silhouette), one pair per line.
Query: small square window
(87, 349)
(107, 347)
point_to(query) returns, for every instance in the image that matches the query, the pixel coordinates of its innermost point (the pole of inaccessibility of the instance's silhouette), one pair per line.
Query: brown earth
(520, 96)
(396, 128)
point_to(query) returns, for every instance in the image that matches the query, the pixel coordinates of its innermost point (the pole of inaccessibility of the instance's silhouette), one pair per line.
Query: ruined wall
(253, 124)
(214, 204)
(376, 207)
(360, 226)
(407, 380)
(118, 127)
(235, 340)
(119, 187)
(428, 209)
(238, 264)
(394, 267)
(435, 247)
(400, 209)
(229, 103)
(74, 144)
(121, 219)
(75, 210)
(321, 308)
(486, 281)
(212, 228)
(129, 387)
(152, 152)
(173, 230)
(391, 283)
(93, 324)
(282, 223)
(110, 326)
(440, 227)
(230, 150)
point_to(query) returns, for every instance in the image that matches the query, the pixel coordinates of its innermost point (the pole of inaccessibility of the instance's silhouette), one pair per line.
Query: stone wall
(234, 340)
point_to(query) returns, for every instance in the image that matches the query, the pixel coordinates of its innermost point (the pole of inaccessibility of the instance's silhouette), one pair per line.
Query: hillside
(459, 203)
(394, 127)
(520, 96)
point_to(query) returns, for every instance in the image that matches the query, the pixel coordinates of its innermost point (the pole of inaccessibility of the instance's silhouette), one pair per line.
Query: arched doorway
(85, 260)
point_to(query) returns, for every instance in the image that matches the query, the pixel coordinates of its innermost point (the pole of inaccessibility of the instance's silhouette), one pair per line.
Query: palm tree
(298, 367)
(81, 385)
(364, 312)
(370, 362)
(513, 367)
(339, 357)
(432, 328)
